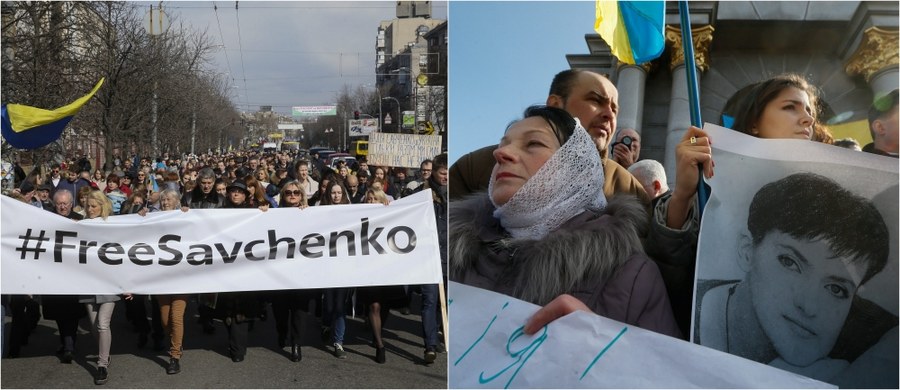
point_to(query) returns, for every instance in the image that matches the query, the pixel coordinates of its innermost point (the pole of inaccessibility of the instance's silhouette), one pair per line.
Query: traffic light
(355, 114)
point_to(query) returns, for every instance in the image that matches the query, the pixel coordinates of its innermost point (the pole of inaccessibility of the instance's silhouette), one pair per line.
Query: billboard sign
(362, 127)
(308, 111)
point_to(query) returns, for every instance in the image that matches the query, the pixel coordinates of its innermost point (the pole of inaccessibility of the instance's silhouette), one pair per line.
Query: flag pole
(693, 90)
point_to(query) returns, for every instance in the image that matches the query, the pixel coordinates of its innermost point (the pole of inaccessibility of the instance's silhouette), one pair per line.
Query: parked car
(335, 157)
(318, 149)
(324, 154)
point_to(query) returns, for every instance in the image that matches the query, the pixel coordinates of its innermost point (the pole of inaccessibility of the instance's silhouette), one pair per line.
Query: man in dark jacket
(73, 183)
(65, 309)
(431, 310)
(237, 309)
(204, 197)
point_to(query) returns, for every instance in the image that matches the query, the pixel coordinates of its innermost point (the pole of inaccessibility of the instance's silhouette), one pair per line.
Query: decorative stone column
(679, 106)
(631, 83)
(876, 59)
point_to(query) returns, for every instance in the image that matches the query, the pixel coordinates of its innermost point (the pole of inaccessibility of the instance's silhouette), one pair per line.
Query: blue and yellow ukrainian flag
(26, 127)
(632, 29)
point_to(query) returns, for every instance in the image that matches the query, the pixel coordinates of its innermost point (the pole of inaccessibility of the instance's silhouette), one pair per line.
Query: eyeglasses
(292, 193)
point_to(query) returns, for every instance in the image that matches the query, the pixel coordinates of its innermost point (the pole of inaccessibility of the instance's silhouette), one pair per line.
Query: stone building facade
(849, 50)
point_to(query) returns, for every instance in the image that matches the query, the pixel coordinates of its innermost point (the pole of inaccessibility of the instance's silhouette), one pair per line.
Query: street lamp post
(328, 131)
(399, 119)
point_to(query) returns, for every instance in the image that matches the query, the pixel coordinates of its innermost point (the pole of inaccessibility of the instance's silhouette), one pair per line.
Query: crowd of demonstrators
(141, 185)
(521, 240)
(758, 110)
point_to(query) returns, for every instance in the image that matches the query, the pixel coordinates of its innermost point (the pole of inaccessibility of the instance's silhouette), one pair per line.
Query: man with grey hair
(651, 175)
(64, 309)
(203, 196)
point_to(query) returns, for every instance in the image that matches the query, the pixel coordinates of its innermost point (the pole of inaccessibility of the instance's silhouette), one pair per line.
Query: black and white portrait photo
(797, 260)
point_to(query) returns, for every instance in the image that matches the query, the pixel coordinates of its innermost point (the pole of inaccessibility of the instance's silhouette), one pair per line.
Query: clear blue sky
(503, 56)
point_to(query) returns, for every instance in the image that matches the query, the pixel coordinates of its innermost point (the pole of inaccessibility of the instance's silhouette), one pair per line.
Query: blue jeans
(429, 314)
(333, 312)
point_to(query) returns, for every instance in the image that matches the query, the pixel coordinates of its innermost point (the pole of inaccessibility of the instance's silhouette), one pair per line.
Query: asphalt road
(206, 364)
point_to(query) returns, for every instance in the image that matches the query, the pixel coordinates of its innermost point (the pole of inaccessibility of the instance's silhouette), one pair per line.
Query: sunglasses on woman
(292, 193)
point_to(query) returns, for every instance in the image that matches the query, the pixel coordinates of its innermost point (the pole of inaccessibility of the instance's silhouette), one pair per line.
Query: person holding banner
(171, 307)
(100, 307)
(545, 235)
(203, 197)
(238, 309)
(335, 298)
(432, 317)
(288, 305)
(66, 310)
(783, 107)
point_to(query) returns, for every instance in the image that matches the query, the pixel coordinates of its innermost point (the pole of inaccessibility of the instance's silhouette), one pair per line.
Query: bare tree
(53, 52)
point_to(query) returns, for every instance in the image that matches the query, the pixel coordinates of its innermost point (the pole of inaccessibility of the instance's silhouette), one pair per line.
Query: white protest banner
(584, 350)
(402, 150)
(797, 259)
(220, 250)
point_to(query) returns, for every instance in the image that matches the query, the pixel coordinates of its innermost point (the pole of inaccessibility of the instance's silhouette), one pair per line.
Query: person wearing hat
(238, 309)
(43, 195)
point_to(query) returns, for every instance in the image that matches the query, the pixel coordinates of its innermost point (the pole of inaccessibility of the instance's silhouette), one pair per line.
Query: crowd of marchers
(247, 179)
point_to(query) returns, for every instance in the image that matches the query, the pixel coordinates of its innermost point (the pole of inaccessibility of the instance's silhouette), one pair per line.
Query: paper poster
(797, 259)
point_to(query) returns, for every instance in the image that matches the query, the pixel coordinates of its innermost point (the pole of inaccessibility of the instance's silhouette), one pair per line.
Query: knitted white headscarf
(569, 183)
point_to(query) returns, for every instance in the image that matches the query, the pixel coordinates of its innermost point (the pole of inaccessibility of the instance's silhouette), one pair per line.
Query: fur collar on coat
(581, 254)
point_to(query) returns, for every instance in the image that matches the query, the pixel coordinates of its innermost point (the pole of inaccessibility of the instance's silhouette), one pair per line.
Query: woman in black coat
(238, 309)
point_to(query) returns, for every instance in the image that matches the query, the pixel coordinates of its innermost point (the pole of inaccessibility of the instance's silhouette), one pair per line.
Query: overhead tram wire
(222, 36)
(241, 51)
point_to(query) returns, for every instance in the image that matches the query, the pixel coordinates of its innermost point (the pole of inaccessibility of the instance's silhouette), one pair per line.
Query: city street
(206, 364)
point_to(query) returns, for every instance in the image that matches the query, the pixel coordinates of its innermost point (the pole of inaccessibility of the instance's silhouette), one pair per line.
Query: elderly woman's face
(292, 195)
(524, 149)
(167, 203)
